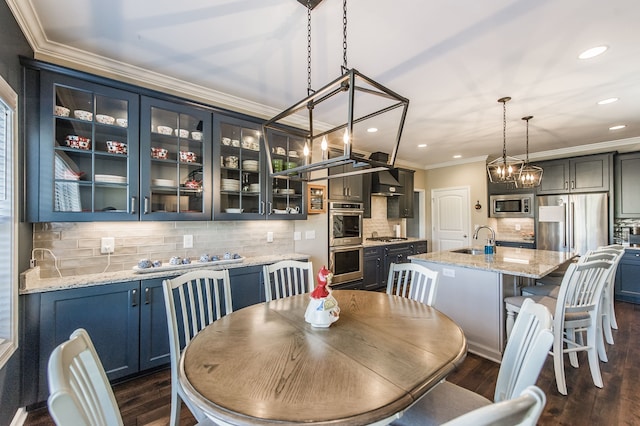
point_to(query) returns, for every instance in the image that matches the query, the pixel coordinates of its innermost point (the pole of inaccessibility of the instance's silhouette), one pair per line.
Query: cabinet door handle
(269, 208)
(147, 296)
(573, 184)
(133, 205)
(261, 208)
(134, 297)
(566, 185)
(146, 205)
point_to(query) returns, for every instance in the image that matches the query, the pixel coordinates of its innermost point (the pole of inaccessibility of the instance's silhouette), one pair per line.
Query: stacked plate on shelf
(254, 187)
(110, 179)
(230, 185)
(287, 191)
(250, 165)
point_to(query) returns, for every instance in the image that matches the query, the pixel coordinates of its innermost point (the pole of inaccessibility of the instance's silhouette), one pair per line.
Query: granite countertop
(520, 262)
(369, 243)
(30, 281)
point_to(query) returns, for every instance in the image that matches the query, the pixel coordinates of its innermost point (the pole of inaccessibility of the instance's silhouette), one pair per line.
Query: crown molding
(59, 54)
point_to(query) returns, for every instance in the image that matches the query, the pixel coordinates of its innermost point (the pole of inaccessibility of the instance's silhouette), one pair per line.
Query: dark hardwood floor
(146, 400)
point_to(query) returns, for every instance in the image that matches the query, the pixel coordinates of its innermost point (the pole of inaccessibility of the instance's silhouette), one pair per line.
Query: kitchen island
(472, 288)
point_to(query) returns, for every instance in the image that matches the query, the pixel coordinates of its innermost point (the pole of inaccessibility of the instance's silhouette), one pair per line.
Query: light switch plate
(449, 272)
(269, 237)
(187, 241)
(297, 236)
(310, 235)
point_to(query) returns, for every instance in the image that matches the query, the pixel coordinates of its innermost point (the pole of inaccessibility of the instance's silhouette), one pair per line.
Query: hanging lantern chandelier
(530, 176)
(504, 169)
(338, 123)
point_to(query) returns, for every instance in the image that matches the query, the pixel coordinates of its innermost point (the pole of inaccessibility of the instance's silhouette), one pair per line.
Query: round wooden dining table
(265, 365)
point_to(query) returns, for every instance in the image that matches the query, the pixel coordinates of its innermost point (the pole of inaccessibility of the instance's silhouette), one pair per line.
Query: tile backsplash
(77, 245)
(506, 228)
(379, 222)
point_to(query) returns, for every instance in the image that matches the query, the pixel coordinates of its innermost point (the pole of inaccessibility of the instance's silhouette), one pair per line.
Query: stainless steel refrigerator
(576, 222)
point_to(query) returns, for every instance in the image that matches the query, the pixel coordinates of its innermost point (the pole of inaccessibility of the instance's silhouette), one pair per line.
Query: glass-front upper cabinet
(88, 152)
(286, 196)
(239, 178)
(175, 161)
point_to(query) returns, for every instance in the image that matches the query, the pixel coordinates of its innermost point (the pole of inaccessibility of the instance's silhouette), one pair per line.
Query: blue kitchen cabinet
(110, 314)
(627, 285)
(247, 286)
(372, 263)
(154, 334)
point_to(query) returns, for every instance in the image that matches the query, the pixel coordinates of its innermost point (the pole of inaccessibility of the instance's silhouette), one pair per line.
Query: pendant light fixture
(530, 176)
(504, 169)
(333, 123)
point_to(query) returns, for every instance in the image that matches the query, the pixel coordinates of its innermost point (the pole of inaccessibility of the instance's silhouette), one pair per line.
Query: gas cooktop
(387, 239)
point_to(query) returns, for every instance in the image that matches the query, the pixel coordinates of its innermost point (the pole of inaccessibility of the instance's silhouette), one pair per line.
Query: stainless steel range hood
(383, 183)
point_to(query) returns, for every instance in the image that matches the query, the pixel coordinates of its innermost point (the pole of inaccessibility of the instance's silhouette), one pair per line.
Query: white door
(450, 218)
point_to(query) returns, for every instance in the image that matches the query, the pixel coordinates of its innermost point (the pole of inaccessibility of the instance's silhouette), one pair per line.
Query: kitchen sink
(467, 250)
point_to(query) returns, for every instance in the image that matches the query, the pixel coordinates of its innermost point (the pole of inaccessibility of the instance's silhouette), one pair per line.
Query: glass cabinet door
(95, 152)
(239, 170)
(175, 162)
(286, 196)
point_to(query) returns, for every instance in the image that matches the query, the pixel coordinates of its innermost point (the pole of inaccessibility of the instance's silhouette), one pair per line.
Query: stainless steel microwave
(513, 205)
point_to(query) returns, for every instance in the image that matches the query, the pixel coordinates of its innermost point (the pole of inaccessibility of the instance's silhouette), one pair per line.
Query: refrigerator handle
(571, 220)
(566, 225)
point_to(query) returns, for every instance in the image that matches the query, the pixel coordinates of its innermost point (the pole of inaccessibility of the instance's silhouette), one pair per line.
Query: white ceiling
(452, 59)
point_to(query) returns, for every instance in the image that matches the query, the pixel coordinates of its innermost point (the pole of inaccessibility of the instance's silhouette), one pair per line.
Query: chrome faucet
(492, 241)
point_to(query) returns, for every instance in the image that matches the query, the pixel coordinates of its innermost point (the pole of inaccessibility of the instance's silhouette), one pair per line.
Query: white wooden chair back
(414, 281)
(80, 393)
(583, 290)
(523, 410)
(526, 351)
(578, 309)
(192, 301)
(287, 278)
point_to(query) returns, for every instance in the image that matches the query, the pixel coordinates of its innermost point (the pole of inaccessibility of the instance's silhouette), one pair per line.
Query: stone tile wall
(379, 222)
(77, 245)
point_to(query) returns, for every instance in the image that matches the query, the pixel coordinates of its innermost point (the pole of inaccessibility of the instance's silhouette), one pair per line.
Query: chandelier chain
(504, 130)
(527, 143)
(344, 34)
(309, 90)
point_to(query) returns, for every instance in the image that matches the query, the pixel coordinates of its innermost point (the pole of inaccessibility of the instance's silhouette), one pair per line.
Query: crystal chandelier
(504, 169)
(530, 176)
(338, 118)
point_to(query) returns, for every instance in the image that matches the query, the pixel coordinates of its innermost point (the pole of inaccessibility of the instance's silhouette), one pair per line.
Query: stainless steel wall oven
(345, 224)
(345, 241)
(346, 263)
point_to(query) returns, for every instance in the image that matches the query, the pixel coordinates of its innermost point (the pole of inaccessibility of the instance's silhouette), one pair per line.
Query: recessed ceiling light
(593, 52)
(457, 156)
(422, 145)
(607, 101)
(618, 127)
(372, 130)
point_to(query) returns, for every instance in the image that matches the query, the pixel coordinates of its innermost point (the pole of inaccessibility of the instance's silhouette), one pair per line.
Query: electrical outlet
(269, 237)
(517, 227)
(310, 235)
(297, 236)
(187, 241)
(107, 245)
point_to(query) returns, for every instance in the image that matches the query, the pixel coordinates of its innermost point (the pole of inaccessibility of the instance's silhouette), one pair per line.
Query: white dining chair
(523, 410)
(287, 278)
(79, 391)
(192, 301)
(522, 361)
(414, 281)
(607, 311)
(576, 310)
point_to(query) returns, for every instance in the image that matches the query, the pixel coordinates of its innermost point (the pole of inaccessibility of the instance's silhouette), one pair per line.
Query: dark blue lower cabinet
(247, 286)
(110, 314)
(154, 334)
(627, 286)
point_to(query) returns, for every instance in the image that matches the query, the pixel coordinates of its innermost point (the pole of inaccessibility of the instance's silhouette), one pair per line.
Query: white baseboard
(19, 418)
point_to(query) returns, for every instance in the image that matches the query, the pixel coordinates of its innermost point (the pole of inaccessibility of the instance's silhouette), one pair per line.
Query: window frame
(9, 342)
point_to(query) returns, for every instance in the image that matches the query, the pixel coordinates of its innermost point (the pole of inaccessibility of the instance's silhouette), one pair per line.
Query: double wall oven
(345, 241)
